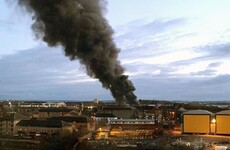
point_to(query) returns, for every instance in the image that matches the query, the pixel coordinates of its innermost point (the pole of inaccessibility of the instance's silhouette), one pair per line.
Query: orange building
(222, 122)
(197, 121)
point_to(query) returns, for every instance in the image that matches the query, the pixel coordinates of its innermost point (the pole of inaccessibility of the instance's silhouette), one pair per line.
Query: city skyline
(171, 51)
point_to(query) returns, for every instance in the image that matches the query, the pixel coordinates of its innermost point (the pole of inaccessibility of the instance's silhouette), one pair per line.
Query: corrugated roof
(224, 112)
(198, 112)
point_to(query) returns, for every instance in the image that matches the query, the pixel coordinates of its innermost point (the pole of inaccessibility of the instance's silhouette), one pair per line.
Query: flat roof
(224, 112)
(198, 112)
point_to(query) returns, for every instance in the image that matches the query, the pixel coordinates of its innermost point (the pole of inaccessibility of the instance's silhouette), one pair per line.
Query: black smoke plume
(79, 26)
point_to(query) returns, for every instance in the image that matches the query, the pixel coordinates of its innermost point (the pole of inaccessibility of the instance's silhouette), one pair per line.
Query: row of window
(5, 123)
(6, 129)
(39, 130)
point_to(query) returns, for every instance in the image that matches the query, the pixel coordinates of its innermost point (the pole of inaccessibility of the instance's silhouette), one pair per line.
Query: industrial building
(222, 122)
(198, 122)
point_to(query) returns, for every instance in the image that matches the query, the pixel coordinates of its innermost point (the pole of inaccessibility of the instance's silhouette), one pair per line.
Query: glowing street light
(213, 121)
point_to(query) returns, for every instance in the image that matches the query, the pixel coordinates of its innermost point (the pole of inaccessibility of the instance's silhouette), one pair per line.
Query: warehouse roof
(198, 112)
(224, 112)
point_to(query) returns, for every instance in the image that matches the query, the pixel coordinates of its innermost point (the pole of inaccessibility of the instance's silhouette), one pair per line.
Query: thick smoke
(79, 26)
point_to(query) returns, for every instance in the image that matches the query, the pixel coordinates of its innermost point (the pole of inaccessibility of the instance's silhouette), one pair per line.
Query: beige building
(78, 122)
(1, 109)
(8, 123)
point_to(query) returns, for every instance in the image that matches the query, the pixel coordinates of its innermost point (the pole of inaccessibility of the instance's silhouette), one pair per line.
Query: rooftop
(12, 117)
(55, 109)
(108, 115)
(80, 119)
(198, 112)
(41, 123)
(224, 112)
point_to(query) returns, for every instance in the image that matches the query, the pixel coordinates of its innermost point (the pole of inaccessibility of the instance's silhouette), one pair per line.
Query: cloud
(217, 50)
(161, 70)
(184, 88)
(150, 38)
(158, 68)
(214, 65)
(45, 73)
(205, 73)
(5, 24)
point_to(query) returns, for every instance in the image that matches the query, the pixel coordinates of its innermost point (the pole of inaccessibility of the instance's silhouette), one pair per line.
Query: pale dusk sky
(172, 50)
